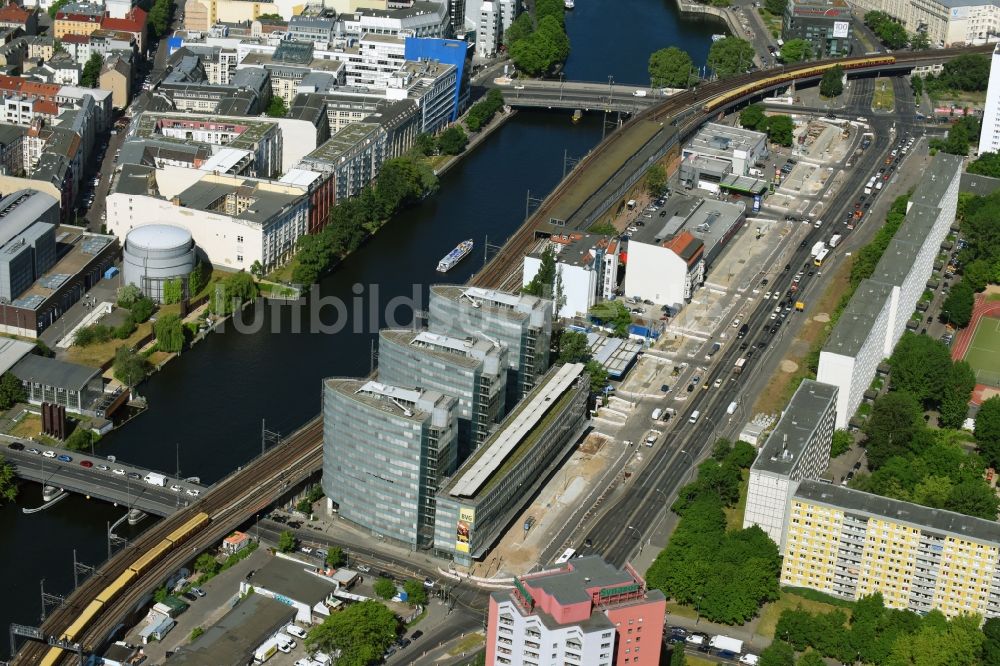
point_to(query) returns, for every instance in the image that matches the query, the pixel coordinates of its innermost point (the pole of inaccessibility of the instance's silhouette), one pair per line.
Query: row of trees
(922, 367)
(725, 575)
(778, 128)
(537, 41)
(873, 634)
(892, 33)
(980, 258)
(730, 57)
(966, 73)
(867, 258)
(482, 112)
(11, 391)
(401, 182)
(961, 134)
(416, 593)
(988, 431)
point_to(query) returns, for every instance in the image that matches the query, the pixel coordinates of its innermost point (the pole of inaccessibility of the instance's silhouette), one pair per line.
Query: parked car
(296, 631)
(190, 597)
(16, 446)
(64, 458)
(49, 454)
(86, 463)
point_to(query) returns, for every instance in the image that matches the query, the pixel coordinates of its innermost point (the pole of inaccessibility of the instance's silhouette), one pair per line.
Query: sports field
(983, 353)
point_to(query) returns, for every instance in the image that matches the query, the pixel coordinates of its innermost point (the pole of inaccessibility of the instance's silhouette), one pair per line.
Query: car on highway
(103, 468)
(16, 446)
(717, 383)
(193, 492)
(176, 488)
(34, 451)
(64, 458)
(429, 583)
(134, 475)
(49, 454)
(119, 471)
(86, 463)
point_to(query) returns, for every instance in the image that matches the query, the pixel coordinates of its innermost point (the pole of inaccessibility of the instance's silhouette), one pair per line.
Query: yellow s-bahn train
(134, 570)
(788, 76)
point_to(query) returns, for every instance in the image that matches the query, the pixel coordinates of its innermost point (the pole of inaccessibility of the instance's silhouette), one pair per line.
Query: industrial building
(386, 450)
(798, 448)
(476, 504)
(587, 266)
(75, 387)
(876, 317)
(294, 584)
(717, 151)
(668, 260)
(825, 24)
(520, 322)
(584, 612)
(156, 254)
(473, 370)
(851, 544)
(28, 222)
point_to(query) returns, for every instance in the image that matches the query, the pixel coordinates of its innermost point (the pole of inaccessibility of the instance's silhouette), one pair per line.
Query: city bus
(565, 557)
(821, 256)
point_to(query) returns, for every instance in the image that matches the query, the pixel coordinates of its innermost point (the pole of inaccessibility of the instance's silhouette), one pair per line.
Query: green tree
(938, 642)
(521, 28)
(811, 658)
(335, 556)
(957, 307)
(969, 72)
(361, 633)
(196, 632)
(543, 49)
(172, 291)
(425, 144)
(776, 7)
(832, 82)
(598, 376)
(670, 68)
(384, 588)
(988, 430)
(841, 444)
(128, 294)
(453, 140)
(920, 366)
(198, 279)
(56, 6)
(892, 428)
(973, 498)
(160, 594)
(991, 644)
(257, 269)
(778, 653)
(91, 71)
(287, 542)
(142, 309)
(129, 367)
(206, 564)
(613, 314)
(169, 332)
(796, 50)
(8, 481)
(752, 117)
(573, 347)
(677, 657)
(655, 180)
(779, 129)
(543, 282)
(416, 593)
(730, 56)
(603, 229)
(721, 449)
(232, 291)
(483, 111)
(80, 439)
(11, 390)
(277, 107)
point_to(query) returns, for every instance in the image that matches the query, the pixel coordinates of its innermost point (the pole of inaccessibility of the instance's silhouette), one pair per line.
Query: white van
(657, 413)
(731, 409)
(694, 416)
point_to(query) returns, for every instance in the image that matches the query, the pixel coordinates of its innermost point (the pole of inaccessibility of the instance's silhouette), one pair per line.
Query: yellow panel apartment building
(850, 544)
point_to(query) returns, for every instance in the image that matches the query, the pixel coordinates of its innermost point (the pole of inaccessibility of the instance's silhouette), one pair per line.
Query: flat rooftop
(291, 579)
(207, 194)
(83, 247)
(787, 442)
(937, 177)
(722, 140)
(514, 306)
(944, 523)
(231, 640)
(341, 142)
(570, 584)
(514, 431)
(465, 352)
(858, 319)
(708, 220)
(376, 395)
(577, 248)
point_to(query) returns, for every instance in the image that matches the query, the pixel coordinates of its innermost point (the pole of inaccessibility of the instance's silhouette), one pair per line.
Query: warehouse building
(476, 504)
(473, 370)
(798, 448)
(851, 544)
(288, 581)
(28, 222)
(386, 450)
(520, 322)
(75, 387)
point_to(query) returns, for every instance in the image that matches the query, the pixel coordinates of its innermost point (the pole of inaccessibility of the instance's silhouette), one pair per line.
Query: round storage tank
(156, 253)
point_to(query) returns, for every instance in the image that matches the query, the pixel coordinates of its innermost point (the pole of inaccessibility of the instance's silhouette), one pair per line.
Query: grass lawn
(772, 21)
(692, 660)
(283, 274)
(789, 601)
(674, 608)
(734, 515)
(782, 384)
(27, 427)
(884, 100)
(97, 355)
(958, 97)
(984, 351)
(993, 297)
(469, 643)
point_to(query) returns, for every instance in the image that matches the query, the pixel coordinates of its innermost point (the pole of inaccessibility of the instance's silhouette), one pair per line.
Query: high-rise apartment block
(798, 448)
(586, 612)
(474, 370)
(520, 322)
(989, 137)
(385, 451)
(852, 544)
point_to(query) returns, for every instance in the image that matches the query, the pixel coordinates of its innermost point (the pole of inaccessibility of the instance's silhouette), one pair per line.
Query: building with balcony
(386, 450)
(585, 612)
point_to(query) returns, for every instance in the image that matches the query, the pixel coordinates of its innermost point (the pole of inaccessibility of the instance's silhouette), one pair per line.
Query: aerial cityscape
(500, 332)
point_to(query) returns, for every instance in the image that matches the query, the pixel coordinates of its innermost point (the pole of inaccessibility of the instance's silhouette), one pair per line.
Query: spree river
(206, 407)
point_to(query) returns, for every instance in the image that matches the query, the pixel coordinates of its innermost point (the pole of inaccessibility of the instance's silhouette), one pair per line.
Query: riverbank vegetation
(401, 182)
(538, 42)
(8, 481)
(671, 68)
(482, 112)
(730, 57)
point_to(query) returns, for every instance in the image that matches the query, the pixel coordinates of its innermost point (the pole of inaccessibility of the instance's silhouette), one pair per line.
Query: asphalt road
(620, 530)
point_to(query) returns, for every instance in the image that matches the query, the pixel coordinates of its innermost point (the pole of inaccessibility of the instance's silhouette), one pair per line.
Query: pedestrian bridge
(536, 93)
(121, 484)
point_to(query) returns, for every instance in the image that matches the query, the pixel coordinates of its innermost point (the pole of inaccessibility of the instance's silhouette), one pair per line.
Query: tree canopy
(538, 46)
(887, 29)
(730, 56)
(384, 588)
(752, 117)
(11, 390)
(129, 367)
(573, 347)
(670, 67)
(988, 430)
(361, 632)
(958, 305)
(169, 332)
(482, 112)
(416, 593)
(277, 107)
(613, 314)
(542, 284)
(8, 481)
(832, 82)
(656, 179)
(892, 428)
(796, 50)
(779, 129)
(91, 71)
(453, 140)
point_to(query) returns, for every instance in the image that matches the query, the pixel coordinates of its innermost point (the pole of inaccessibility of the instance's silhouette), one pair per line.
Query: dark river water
(206, 407)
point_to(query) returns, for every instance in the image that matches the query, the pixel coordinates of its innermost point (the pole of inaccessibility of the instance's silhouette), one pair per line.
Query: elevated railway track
(249, 490)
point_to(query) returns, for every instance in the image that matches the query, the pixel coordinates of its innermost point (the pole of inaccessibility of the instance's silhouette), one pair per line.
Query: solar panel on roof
(94, 244)
(53, 281)
(29, 302)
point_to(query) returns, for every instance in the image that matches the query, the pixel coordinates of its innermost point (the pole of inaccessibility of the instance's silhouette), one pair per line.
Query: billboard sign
(466, 517)
(840, 29)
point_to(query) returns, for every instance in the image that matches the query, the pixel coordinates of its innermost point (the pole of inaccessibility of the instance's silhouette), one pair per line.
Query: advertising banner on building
(466, 517)
(840, 29)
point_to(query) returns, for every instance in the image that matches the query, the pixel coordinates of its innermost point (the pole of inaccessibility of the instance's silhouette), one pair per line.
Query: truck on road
(817, 248)
(738, 368)
(155, 479)
(726, 643)
(835, 240)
